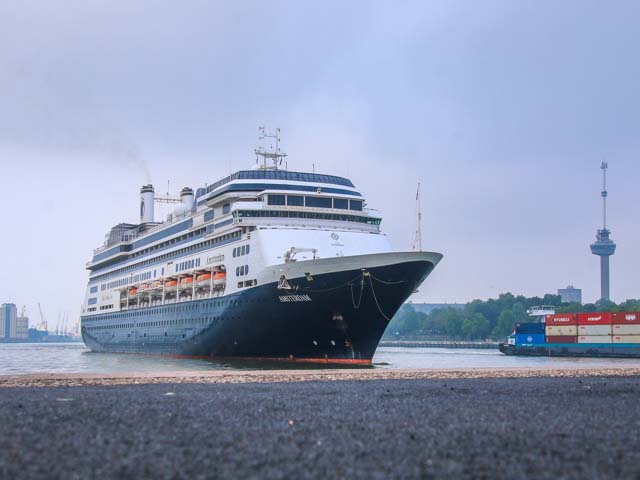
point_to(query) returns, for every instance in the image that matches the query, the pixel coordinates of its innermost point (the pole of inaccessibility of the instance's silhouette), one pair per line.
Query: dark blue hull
(609, 350)
(336, 317)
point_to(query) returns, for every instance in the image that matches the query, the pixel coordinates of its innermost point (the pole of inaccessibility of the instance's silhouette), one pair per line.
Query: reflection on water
(76, 358)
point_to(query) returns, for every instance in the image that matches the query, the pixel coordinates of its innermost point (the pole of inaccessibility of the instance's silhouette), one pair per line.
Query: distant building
(570, 294)
(12, 326)
(22, 327)
(8, 317)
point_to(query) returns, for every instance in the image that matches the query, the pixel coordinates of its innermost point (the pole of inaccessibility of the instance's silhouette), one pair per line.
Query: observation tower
(604, 246)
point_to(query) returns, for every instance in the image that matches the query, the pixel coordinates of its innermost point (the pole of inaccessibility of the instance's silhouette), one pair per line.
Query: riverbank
(439, 344)
(554, 425)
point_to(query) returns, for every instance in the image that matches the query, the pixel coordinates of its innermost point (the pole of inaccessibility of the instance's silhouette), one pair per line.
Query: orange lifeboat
(156, 285)
(186, 282)
(204, 279)
(171, 283)
(143, 288)
(219, 278)
(133, 292)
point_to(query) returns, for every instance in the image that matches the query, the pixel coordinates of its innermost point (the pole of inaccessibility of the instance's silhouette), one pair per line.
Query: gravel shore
(430, 424)
(286, 376)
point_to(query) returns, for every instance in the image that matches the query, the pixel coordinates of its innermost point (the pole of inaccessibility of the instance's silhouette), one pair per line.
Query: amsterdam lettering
(294, 298)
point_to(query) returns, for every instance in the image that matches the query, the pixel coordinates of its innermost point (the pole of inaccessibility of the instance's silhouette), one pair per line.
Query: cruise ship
(264, 264)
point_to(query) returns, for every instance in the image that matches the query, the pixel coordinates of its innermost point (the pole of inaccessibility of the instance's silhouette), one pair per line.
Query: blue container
(530, 327)
(529, 338)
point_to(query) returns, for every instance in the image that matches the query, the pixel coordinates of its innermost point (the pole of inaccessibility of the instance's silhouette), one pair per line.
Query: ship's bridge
(246, 181)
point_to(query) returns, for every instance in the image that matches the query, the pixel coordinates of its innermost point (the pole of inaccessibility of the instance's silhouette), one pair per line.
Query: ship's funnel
(146, 204)
(186, 197)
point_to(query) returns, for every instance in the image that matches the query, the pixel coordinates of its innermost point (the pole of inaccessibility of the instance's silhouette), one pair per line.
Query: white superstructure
(225, 237)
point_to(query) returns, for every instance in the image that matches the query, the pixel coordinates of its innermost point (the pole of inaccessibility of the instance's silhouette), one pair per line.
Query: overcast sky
(503, 110)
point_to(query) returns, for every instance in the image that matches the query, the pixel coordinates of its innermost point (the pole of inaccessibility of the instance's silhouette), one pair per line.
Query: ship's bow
(335, 310)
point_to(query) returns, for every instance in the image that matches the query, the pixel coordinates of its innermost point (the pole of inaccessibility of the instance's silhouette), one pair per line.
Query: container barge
(601, 334)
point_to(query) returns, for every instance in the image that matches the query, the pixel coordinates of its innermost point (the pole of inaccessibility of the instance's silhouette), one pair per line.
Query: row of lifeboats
(202, 281)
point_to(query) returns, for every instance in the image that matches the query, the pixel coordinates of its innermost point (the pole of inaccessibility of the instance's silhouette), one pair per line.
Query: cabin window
(341, 203)
(318, 202)
(276, 200)
(226, 208)
(295, 200)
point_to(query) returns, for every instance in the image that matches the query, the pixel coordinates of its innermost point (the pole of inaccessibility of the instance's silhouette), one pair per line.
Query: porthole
(333, 343)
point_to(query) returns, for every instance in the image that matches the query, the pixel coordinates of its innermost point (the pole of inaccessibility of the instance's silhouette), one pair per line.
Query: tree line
(491, 319)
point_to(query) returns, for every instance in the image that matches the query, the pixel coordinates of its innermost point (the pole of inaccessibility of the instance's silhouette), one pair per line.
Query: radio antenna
(417, 241)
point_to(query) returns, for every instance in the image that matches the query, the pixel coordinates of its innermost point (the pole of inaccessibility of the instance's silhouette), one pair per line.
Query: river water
(76, 358)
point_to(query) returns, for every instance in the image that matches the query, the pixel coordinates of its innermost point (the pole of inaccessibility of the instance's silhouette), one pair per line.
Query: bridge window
(356, 205)
(295, 200)
(276, 200)
(341, 203)
(318, 202)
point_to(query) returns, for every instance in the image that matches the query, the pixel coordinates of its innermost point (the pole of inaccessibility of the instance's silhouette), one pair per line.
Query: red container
(594, 318)
(562, 339)
(624, 318)
(561, 319)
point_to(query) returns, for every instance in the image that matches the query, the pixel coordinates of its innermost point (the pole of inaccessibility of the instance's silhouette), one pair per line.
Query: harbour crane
(43, 323)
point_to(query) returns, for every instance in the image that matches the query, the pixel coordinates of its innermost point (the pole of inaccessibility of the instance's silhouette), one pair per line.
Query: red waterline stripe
(334, 361)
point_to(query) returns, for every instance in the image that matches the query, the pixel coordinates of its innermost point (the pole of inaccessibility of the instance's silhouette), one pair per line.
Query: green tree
(454, 320)
(476, 327)
(504, 327)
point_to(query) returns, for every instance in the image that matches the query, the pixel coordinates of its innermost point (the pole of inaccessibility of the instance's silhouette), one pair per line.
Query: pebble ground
(540, 427)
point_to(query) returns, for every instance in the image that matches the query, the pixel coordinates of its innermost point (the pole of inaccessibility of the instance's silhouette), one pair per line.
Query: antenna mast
(604, 194)
(417, 243)
(272, 154)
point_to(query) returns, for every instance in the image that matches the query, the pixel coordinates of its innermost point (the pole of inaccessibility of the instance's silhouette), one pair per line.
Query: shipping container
(562, 319)
(595, 329)
(554, 330)
(562, 339)
(633, 329)
(599, 318)
(529, 338)
(594, 339)
(530, 327)
(626, 318)
(626, 338)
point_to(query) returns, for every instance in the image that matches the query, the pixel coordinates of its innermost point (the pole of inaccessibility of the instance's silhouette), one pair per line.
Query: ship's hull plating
(609, 350)
(335, 317)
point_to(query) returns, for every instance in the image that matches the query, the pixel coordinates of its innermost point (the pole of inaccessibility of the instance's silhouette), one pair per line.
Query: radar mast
(269, 158)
